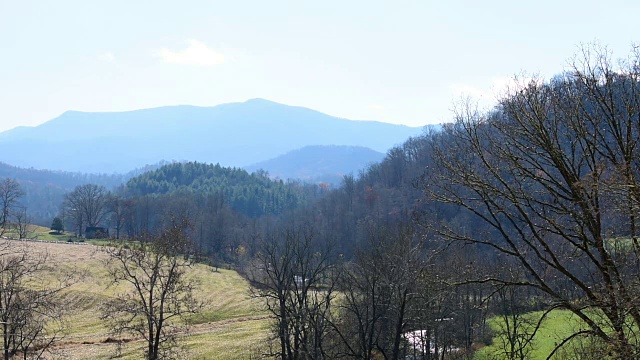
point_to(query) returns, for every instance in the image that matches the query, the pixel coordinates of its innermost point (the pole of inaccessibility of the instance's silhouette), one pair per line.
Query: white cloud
(468, 90)
(197, 53)
(107, 57)
(495, 89)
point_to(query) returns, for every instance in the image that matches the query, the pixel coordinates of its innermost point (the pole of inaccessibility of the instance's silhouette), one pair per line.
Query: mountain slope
(236, 134)
(319, 163)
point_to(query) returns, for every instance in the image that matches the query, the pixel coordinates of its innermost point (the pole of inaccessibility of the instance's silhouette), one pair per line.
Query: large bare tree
(86, 205)
(550, 180)
(154, 267)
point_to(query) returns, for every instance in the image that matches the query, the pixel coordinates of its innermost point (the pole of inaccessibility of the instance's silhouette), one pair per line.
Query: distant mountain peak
(261, 101)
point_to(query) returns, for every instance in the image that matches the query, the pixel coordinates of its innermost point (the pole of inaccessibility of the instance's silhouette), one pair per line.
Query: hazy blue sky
(393, 61)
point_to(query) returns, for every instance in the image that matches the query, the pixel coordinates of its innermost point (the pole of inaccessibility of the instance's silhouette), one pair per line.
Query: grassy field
(43, 233)
(231, 326)
(557, 326)
(37, 232)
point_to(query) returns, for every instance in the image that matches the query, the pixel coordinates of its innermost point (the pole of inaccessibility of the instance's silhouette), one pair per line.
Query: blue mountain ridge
(234, 134)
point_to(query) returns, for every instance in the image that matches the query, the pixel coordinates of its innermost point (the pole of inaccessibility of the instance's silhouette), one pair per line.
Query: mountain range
(234, 134)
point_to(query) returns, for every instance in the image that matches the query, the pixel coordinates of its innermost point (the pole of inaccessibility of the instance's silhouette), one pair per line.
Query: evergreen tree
(57, 225)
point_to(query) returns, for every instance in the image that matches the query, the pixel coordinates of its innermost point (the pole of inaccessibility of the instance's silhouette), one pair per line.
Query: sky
(403, 62)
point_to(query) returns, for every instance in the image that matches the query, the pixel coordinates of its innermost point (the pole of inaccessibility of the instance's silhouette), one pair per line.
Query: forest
(447, 246)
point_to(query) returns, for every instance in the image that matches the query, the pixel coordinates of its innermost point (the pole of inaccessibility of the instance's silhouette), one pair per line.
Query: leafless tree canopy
(379, 293)
(551, 180)
(86, 205)
(295, 275)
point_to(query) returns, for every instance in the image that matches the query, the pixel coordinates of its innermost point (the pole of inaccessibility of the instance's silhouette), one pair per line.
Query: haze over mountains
(235, 134)
(319, 163)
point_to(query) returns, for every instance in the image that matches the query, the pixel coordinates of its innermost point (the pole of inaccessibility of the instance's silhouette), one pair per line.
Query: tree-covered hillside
(44, 189)
(253, 194)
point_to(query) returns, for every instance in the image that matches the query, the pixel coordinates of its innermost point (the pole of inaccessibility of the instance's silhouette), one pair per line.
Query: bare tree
(550, 181)
(155, 268)
(349, 188)
(31, 313)
(10, 194)
(515, 329)
(295, 276)
(72, 217)
(87, 204)
(378, 290)
(22, 224)
(118, 208)
(516, 326)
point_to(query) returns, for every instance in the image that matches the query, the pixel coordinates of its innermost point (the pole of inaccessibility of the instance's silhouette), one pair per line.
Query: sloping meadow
(230, 325)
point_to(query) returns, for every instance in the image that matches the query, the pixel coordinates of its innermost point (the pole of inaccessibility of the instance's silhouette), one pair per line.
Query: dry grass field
(231, 325)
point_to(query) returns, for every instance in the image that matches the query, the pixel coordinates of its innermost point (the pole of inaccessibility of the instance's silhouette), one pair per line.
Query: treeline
(226, 207)
(44, 190)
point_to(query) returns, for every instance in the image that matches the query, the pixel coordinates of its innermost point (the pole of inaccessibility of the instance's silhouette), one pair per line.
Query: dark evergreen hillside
(249, 194)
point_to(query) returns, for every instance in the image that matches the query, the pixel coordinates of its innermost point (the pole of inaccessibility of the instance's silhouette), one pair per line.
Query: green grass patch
(558, 325)
(43, 233)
